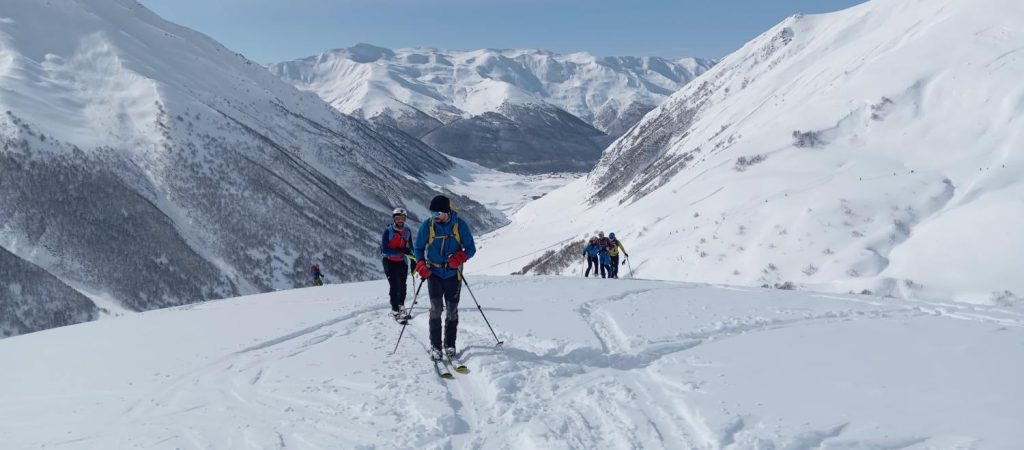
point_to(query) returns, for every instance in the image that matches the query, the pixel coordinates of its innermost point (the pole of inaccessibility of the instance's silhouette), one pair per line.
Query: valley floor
(586, 364)
(501, 191)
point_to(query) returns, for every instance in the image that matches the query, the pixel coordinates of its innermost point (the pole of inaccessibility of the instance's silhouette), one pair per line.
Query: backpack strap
(455, 233)
(405, 233)
(430, 240)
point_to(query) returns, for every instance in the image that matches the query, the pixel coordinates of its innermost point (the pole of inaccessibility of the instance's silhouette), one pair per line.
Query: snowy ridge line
(916, 154)
(213, 158)
(439, 87)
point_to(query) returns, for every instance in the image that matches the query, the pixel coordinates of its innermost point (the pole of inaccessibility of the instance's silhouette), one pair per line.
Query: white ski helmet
(397, 212)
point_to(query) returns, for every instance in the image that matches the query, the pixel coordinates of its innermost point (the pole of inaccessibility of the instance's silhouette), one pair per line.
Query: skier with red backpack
(395, 248)
(318, 277)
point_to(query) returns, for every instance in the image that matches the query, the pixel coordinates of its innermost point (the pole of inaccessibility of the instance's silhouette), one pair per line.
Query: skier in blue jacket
(591, 252)
(318, 277)
(606, 262)
(443, 244)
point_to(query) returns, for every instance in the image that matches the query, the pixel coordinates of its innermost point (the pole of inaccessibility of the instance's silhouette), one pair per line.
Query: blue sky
(279, 30)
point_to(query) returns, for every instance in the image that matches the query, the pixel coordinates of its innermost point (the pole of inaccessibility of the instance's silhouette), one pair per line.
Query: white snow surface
(587, 363)
(909, 184)
(500, 191)
(99, 77)
(368, 81)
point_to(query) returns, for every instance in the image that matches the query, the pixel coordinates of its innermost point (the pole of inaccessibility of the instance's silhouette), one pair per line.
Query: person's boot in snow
(435, 354)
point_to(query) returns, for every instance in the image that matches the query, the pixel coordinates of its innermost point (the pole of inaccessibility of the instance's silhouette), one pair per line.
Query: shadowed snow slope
(874, 148)
(145, 163)
(586, 364)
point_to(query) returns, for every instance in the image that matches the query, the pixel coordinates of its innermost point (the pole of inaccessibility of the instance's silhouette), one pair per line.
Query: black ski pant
(397, 273)
(444, 298)
(614, 268)
(592, 263)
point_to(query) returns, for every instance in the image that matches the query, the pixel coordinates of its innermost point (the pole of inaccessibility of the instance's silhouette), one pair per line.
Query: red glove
(421, 268)
(457, 259)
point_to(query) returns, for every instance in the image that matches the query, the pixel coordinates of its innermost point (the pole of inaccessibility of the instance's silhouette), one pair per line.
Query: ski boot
(436, 355)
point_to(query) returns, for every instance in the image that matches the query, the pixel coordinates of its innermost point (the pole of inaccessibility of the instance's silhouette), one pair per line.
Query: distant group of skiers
(602, 254)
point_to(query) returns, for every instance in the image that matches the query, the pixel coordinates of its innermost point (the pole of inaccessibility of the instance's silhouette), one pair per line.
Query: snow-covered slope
(144, 162)
(586, 364)
(454, 97)
(874, 148)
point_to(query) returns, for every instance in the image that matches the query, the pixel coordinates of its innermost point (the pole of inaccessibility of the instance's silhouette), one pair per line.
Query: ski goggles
(435, 213)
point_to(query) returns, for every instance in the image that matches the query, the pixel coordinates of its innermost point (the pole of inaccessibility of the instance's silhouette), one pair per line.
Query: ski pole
(630, 267)
(480, 309)
(410, 313)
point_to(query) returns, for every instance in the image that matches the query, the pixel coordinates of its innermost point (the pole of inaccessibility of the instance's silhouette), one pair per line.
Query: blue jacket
(592, 251)
(605, 258)
(385, 241)
(444, 244)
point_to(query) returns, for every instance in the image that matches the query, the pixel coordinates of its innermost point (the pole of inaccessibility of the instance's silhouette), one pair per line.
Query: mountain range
(144, 165)
(874, 149)
(523, 110)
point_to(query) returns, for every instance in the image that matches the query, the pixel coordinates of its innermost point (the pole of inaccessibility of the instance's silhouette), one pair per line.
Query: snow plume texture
(876, 149)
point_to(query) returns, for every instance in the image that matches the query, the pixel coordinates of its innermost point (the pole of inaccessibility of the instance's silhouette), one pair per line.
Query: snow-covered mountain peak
(874, 148)
(143, 164)
(442, 83)
(522, 110)
(365, 53)
(105, 56)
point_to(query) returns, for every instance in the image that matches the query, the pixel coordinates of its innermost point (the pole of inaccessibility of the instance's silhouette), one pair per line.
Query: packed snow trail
(586, 364)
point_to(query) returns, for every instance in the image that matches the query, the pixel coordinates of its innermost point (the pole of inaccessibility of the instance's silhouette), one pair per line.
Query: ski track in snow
(277, 393)
(471, 398)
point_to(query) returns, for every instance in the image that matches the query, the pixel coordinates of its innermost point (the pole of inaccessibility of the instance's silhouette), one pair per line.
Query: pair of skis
(446, 365)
